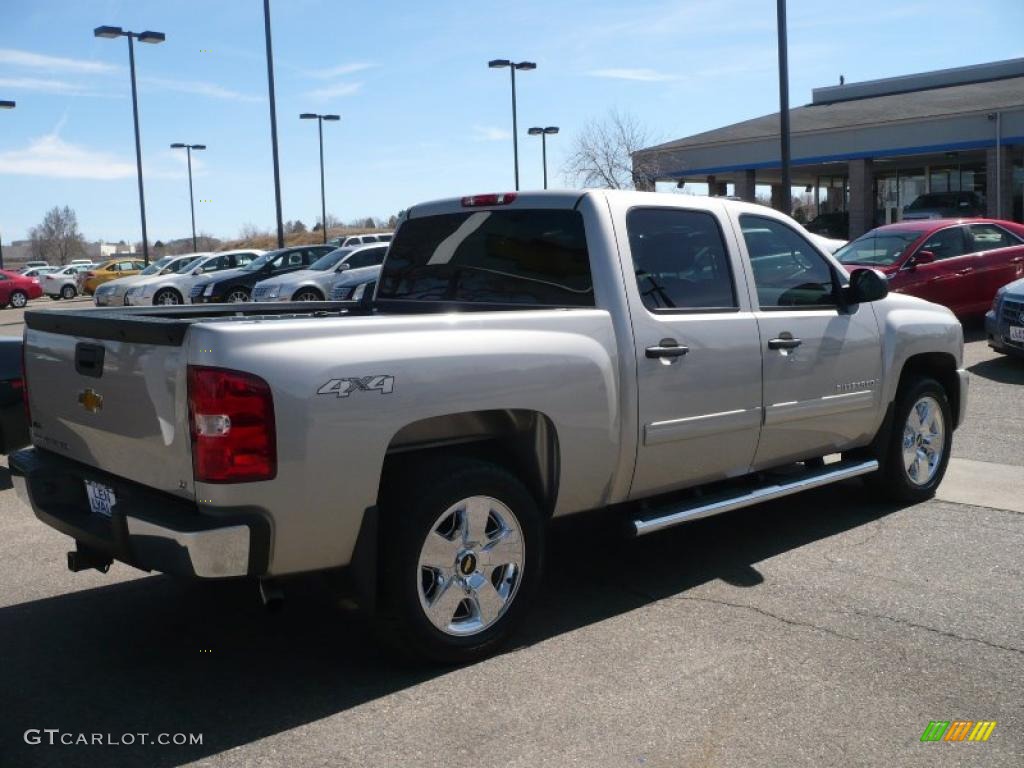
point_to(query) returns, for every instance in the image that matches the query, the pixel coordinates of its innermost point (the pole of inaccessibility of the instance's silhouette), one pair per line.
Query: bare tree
(57, 239)
(603, 153)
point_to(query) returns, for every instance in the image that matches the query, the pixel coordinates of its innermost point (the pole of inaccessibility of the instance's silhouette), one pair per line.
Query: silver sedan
(315, 283)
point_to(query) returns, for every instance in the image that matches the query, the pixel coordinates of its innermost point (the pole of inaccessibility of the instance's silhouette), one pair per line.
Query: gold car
(110, 270)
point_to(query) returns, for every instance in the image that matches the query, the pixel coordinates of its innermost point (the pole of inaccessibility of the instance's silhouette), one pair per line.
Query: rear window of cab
(525, 257)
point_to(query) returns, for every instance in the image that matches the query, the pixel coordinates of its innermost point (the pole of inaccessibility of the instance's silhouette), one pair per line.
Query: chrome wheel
(470, 566)
(924, 440)
(237, 296)
(68, 292)
(167, 297)
(18, 299)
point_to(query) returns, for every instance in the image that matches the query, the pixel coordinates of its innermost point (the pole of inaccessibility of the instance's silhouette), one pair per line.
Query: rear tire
(461, 552)
(68, 292)
(915, 454)
(19, 299)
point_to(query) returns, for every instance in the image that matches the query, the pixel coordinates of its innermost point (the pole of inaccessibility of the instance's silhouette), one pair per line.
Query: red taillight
(231, 418)
(478, 201)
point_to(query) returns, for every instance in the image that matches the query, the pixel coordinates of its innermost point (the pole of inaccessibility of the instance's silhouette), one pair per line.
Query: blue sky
(422, 115)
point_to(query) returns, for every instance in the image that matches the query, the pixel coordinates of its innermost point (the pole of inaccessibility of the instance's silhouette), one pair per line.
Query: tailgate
(119, 406)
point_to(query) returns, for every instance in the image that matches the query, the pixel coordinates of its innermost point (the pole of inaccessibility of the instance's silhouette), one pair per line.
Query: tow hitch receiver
(82, 559)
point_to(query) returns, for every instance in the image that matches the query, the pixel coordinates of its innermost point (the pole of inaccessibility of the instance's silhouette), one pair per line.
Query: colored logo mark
(958, 730)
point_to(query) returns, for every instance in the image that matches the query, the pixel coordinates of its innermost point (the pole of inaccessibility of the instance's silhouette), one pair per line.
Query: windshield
(156, 266)
(258, 263)
(877, 248)
(329, 260)
(187, 265)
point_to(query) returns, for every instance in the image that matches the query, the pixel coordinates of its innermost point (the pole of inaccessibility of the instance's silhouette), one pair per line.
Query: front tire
(461, 556)
(167, 296)
(916, 453)
(68, 292)
(237, 296)
(307, 294)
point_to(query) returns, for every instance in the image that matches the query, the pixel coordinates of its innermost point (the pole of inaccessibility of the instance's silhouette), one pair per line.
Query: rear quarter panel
(331, 449)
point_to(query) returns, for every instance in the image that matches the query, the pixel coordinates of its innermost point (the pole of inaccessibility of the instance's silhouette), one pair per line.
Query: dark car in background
(959, 264)
(945, 205)
(835, 224)
(1004, 322)
(236, 285)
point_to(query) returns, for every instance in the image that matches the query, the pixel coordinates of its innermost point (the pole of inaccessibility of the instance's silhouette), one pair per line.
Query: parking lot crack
(936, 630)
(769, 614)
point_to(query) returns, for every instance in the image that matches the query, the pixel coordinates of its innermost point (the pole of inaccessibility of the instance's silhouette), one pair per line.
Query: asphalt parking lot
(823, 630)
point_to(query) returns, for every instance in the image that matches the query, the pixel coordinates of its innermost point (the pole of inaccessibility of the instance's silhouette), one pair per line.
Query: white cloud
(490, 133)
(199, 88)
(51, 156)
(339, 71)
(53, 63)
(643, 75)
(334, 91)
(41, 85)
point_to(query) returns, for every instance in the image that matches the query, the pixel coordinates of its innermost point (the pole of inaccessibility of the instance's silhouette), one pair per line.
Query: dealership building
(869, 149)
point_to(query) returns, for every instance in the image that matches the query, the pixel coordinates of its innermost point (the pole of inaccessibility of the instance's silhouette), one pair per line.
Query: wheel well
(941, 366)
(167, 288)
(309, 288)
(524, 442)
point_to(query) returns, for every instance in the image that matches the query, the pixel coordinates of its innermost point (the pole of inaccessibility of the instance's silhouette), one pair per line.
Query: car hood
(224, 274)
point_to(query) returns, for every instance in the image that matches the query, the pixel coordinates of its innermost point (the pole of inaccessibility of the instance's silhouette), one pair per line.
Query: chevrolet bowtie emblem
(91, 400)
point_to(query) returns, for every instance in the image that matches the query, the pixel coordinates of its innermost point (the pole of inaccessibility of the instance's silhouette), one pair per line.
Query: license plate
(1017, 333)
(101, 498)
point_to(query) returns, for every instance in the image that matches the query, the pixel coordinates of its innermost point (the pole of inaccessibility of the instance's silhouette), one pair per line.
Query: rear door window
(988, 237)
(680, 260)
(520, 257)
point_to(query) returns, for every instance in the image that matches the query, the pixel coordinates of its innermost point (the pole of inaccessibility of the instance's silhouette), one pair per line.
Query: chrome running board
(666, 517)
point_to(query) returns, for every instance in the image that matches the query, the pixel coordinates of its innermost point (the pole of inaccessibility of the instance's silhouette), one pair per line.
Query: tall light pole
(323, 198)
(4, 105)
(513, 66)
(544, 133)
(191, 200)
(273, 123)
(142, 37)
(787, 186)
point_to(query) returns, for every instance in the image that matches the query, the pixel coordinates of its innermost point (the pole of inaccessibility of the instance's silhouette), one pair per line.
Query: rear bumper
(147, 529)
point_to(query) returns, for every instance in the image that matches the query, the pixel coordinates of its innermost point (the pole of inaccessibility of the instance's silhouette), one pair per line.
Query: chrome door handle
(784, 342)
(965, 271)
(666, 348)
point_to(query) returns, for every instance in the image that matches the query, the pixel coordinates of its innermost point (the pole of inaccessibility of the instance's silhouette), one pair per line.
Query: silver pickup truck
(524, 356)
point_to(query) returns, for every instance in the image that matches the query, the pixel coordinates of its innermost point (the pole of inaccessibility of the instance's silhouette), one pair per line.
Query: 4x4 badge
(345, 387)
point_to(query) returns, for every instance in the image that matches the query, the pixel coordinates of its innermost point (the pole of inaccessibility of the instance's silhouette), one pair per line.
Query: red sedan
(16, 290)
(959, 263)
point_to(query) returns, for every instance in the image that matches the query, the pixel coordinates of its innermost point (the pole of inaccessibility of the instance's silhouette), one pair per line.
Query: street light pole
(143, 37)
(787, 186)
(323, 196)
(273, 123)
(4, 104)
(513, 66)
(544, 133)
(191, 199)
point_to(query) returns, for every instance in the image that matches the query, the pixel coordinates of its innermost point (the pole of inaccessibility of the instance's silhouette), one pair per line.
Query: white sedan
(63, 284)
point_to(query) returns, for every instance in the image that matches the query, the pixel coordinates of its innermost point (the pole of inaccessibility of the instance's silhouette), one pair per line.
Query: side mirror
(165, 270)
(866, 285)
(923, 257)
(343, 267)
(197, 271)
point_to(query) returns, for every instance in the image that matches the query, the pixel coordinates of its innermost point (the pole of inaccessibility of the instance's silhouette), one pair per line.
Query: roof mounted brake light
(480, 201)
